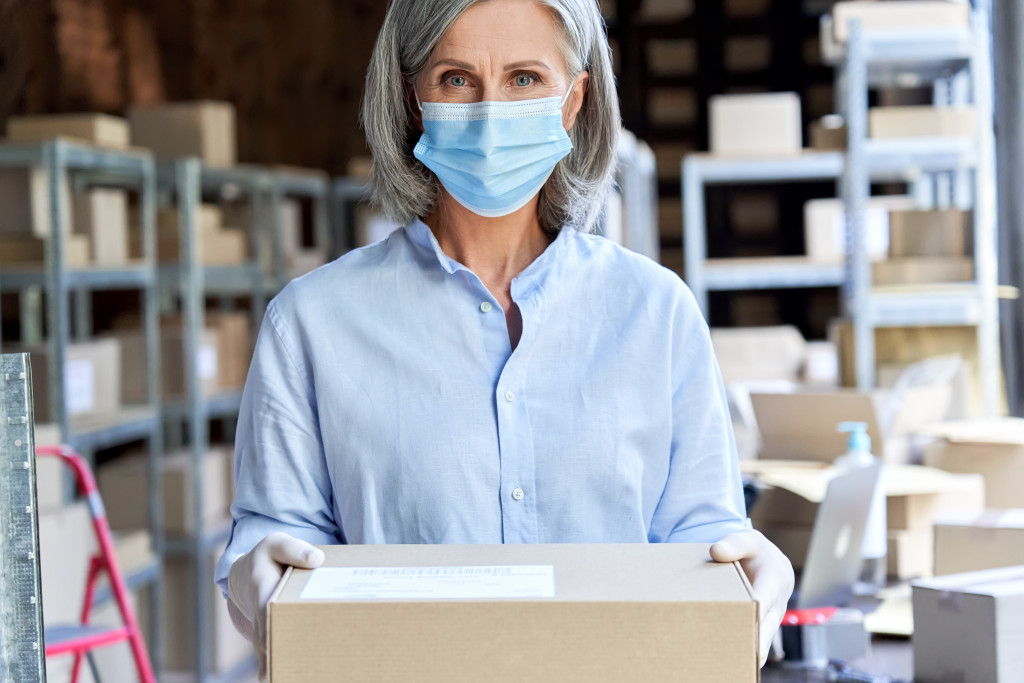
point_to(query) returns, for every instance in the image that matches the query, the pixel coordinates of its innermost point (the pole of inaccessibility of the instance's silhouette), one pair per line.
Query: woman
(491, 373)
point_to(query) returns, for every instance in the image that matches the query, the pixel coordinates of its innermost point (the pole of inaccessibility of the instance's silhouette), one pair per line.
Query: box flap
(811, 482)
(789, 421)
(989, 519)
(1002, 430)
(991, 582)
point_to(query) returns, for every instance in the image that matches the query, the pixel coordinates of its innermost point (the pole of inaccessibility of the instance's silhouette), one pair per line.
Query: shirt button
(486, 307)
(517, 493)
(510, 396)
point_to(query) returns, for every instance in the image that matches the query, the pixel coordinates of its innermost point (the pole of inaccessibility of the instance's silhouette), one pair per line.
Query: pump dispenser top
(859, 441)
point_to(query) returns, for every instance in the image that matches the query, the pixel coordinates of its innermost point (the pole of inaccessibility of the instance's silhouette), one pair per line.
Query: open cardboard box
(803, 425)
(993, 447)
(637, 612)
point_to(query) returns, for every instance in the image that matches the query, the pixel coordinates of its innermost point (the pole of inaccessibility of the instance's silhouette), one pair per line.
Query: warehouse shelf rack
(897, 58)
(962, 60)
(310, 184)
(188, 180)
(63, 160)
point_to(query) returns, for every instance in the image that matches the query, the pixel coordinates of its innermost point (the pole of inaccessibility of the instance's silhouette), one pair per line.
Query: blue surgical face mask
(493, 157)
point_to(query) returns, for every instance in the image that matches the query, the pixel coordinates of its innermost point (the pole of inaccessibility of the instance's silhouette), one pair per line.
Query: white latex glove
(253, 578)
(770, 574)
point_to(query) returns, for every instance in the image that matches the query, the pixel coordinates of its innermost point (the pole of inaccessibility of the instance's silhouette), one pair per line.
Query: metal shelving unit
(959, 65)
(191, 282)
(84, 165)
(636, 181)
(942, 172)
(346, 193)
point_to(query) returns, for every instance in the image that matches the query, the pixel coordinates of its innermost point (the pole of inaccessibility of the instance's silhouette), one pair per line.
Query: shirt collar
(534, 276)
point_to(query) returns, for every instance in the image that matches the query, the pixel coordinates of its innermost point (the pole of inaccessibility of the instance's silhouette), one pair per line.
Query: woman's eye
(457, 81)
(524, 80)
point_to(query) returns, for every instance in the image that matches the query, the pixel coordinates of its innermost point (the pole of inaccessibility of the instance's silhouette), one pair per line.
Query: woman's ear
(575, 103)
(412, 103)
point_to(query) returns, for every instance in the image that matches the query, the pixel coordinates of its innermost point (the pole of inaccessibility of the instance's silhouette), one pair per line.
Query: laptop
(834, 558)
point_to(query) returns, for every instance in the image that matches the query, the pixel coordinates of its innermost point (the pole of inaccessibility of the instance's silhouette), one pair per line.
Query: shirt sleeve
(703, 497)
(281, 477)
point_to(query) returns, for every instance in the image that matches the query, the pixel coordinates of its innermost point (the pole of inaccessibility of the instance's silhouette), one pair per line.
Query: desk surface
(890, 656)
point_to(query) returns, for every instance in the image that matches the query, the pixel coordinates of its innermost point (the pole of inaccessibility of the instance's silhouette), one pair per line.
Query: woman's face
(500, 50)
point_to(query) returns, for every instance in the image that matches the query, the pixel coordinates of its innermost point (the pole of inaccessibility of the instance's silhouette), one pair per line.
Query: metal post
(1008, 23)
(856, 191)
(56, 283)
(695, 249)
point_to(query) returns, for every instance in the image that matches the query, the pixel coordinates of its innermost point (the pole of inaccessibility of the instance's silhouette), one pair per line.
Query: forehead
(502, 31)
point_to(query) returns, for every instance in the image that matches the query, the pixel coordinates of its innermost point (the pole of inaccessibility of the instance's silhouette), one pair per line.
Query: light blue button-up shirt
(385, 404)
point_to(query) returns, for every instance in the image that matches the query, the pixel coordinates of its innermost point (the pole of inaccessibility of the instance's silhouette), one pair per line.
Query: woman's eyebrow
(529, 62)
(453, 62)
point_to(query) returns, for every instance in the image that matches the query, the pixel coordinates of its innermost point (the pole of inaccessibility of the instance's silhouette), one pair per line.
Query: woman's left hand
(770, 574)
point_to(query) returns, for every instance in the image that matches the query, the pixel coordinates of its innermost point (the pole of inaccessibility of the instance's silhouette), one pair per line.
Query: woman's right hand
(253, 578)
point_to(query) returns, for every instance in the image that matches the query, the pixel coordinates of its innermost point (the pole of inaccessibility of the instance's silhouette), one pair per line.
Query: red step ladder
(80, 639)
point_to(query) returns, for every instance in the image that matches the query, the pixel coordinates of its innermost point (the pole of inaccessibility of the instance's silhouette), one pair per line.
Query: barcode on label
(382, 583)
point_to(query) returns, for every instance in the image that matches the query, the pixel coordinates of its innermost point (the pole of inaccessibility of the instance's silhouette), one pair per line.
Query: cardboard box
(31, 251)
(759, 353)
(53, 478)
(828, 133)
(102, 215)
(921, 122)
(972, 541)
(969, 627)
(67, 542)
(92, 378)
(909, 554)
(993, 448)
(668, 57)
(228, 646)
(204, 129)
(672, 106)
(754, 213)
(134, 389)
(761, 124)
(930, 494)
(216, 245)
(922, 270)
(902, 346)
(24, 194)
(98, 129)
(123, 485)
(747, 53)
(825, 227)
(666, 10)
(802, 426)
(935, 234)
(636, 612)
(898, 15)
(234, 349)
(209, 219)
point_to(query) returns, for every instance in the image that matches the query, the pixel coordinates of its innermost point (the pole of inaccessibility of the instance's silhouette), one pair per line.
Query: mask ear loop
(567, 94)
(417, 96)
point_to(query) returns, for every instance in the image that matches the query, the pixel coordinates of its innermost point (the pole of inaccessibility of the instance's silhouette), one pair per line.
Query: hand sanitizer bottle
(875, 546)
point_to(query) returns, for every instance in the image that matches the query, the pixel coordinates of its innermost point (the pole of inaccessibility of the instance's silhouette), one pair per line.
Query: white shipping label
(79, 386)
(430, 583)
(206, 361)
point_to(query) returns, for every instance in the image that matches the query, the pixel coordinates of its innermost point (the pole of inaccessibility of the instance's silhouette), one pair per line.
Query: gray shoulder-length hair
(404, 189)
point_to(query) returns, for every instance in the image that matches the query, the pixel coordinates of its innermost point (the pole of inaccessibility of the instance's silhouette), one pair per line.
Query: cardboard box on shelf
(123, 485)
(934, 234)
(754, 213)
(921, 122)
(747, 53)
(24, 194)
(92, 378)
(968, 627)
(759, 353)
(595, 612)
(228, 646)
(67, 542)
(761, 124)
(993, 448)
(98, 129)
(51, 474)
(672, 57)
(672, 106)
(31, 251)
(903, 346)
(919, 14)
(134, 389)
(825, 226)
(922, 270)
(221, 248)
(102, 215)
(828, 133)
(234, 351)
(802, 425)
(972, 541)
(205, 129)
(666, 10)
(209, 219)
